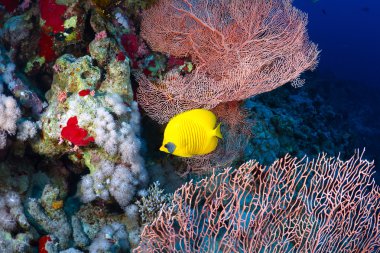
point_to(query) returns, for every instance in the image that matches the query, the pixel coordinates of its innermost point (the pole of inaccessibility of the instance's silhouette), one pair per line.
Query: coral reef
(97, 121)
(94, 217)
(112, 238)
(12, 219)
(292, 205)
(294, 121)
(81, 239)
(50, 220)
(152, 202)
(84, 89)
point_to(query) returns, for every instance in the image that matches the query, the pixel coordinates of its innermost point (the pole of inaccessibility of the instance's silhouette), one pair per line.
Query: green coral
(36, 61)
(74, 74)
(110, 77)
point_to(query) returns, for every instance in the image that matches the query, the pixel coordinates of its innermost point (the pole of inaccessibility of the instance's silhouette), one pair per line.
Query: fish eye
(170, 146)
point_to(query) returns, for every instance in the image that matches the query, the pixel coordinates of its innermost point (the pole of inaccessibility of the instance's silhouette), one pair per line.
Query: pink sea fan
(239, 49)
(322, 205)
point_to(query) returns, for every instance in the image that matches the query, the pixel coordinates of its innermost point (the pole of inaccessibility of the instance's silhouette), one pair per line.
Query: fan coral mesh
(239, 48)
(322, 205)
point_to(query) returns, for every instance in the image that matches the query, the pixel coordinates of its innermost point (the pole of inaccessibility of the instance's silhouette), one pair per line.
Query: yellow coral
(58, 204)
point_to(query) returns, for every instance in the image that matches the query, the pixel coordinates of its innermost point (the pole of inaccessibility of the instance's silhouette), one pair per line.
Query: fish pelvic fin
(217, 133)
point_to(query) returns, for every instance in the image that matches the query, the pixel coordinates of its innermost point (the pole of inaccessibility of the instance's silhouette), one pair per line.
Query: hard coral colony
(76, 162)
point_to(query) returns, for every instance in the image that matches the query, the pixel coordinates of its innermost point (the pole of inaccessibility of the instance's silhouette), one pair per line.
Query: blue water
(348, 32)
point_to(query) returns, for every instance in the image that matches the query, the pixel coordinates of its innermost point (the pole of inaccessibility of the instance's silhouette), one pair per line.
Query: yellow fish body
(191, 133)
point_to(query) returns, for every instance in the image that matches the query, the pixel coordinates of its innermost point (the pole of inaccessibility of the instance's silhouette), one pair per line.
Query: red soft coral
(75, 134)
(131, 45)
(10, 5)
(84, 93)
(52, 14)
(42, 243)
(46, 44)
(53, 23)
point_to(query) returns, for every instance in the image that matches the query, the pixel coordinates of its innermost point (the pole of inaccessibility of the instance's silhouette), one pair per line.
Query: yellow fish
(191, 133)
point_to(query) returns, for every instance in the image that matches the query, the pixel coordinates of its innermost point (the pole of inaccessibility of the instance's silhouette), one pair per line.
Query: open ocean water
(348, 33)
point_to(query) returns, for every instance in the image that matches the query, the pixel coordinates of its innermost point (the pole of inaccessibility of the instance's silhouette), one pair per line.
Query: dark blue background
(348, 33)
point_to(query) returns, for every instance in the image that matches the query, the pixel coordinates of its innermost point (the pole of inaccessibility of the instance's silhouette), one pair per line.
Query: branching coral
(322, 205)
(239, 48)
(151, 204)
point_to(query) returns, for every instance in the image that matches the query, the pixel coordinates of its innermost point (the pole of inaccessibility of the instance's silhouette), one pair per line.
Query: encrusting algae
(58, 204)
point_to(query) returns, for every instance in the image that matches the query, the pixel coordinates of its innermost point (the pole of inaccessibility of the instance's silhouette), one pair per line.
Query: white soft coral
(11, 212)
(112, 238)
(9, 114)
(26, 130)
(109, 180)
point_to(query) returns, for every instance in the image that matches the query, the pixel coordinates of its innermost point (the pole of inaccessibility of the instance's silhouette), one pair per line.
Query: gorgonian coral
(239, 49)
(320, 205)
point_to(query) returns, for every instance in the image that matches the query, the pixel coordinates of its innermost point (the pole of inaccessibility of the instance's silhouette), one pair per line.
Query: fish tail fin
(217, 133)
